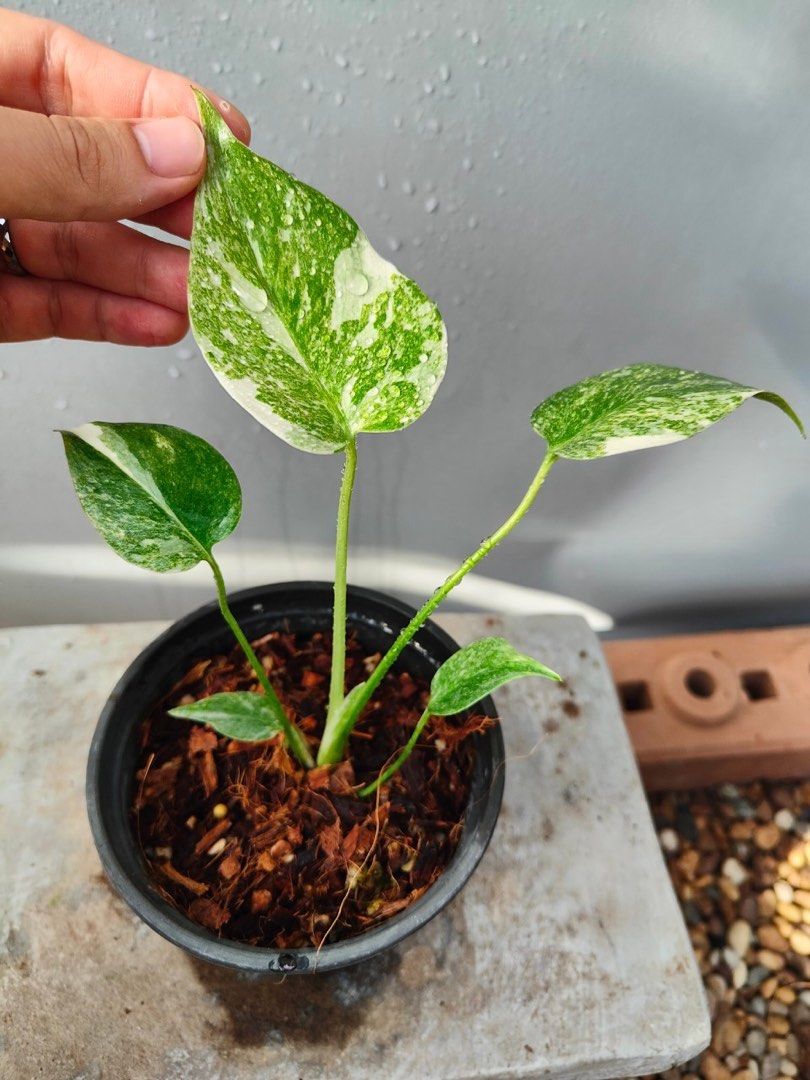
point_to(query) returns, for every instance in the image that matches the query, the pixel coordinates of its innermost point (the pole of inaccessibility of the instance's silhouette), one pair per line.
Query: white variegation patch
(637, 407)
(160, 496)
(301, 320)
(624, 444)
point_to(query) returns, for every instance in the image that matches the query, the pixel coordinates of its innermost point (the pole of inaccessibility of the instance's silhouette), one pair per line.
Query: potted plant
(298, 776)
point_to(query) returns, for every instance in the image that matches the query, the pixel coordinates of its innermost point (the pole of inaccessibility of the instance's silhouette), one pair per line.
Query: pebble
(669, 840)
(771, 1066)
(220, 811)
(785, 820)
(756, 1042)
(783, 892)
(771, 960)
(800, 942)
(734, 871)
(770, 938)
(739, 937)
(757, 975)
(767, 836)
(727, 1036)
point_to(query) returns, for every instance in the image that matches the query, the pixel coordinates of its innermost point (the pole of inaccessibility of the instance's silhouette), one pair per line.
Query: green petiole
(338, 673)
(400, 759)
(332, 747)
(292, 733)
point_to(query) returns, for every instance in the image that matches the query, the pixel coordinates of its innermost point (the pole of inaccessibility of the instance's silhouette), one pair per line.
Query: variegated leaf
(477, 670)
(302, 322)
(239, 715)
(639, 406)
(160, 496)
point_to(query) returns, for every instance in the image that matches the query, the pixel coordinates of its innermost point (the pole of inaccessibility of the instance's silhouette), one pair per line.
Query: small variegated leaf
(160, 496)
(240, 715)
(477, 670)
(639, 406)
(302, 322)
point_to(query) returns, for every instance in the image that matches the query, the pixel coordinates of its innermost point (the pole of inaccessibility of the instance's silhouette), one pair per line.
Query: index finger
(49, 68)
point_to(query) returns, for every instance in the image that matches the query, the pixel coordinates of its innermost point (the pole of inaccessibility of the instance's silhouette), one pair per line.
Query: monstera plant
(324, 342)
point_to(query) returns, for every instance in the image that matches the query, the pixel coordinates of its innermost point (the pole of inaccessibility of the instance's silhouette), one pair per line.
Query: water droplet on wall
(339, 98)
(466, 164)
(393, 244)
(60, 404)
(173, 372)
(306, 85)
(382, 181)
(431, 204)
(408, 187)
(185, 354)
(444, 73)
(341, 60)
(276, 44)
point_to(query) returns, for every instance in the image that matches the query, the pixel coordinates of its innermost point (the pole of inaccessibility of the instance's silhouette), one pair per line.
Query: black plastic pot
(304, 607)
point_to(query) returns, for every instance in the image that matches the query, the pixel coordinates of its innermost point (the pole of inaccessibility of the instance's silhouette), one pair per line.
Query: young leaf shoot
(161, 498)
(467, 677)
(630, 408)
(240, 714)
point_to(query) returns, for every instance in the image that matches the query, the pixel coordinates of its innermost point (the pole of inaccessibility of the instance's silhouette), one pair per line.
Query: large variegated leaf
(477, 670)
(160, 496)
(635, 407)
(240, 714)
(302, 322)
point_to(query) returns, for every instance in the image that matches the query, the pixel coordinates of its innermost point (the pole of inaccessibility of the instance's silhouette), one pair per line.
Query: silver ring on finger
(9, 263)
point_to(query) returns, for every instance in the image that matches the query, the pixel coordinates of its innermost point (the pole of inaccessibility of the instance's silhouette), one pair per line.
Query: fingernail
(172, 147)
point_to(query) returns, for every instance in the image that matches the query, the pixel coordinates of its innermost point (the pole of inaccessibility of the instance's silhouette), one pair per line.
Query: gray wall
(615, 182)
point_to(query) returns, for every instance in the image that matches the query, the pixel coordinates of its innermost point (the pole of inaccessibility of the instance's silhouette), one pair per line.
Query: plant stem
(337, 742)
(400, 759)
(337, 680)
(295, 738)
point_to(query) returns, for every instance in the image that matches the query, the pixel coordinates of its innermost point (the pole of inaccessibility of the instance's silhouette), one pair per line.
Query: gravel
(739, 859)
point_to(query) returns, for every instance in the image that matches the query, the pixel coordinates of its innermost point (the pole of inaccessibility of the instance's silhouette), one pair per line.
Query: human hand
(89, 137)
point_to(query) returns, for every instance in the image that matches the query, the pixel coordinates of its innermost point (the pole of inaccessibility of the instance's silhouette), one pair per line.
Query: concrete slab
(564, 957)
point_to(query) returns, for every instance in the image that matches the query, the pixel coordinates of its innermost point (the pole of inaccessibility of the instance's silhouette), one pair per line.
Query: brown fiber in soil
(242, 840)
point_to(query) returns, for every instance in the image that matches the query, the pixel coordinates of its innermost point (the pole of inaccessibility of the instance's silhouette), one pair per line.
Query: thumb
(63, 168)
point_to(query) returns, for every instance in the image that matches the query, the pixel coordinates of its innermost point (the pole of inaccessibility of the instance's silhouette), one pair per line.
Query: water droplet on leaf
(357, 284)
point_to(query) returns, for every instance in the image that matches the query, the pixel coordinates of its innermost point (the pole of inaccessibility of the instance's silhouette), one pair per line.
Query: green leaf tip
(477, 670)
(240, 715)
(160, 496)
(640, 406)
(300, 319)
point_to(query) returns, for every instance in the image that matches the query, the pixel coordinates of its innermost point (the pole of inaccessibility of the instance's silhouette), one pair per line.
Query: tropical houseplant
(336, 785)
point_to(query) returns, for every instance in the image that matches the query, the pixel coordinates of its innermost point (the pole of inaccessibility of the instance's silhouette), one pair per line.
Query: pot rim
(203, 944)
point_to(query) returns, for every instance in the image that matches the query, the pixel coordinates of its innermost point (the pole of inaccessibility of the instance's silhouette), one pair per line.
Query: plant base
(243, 841)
